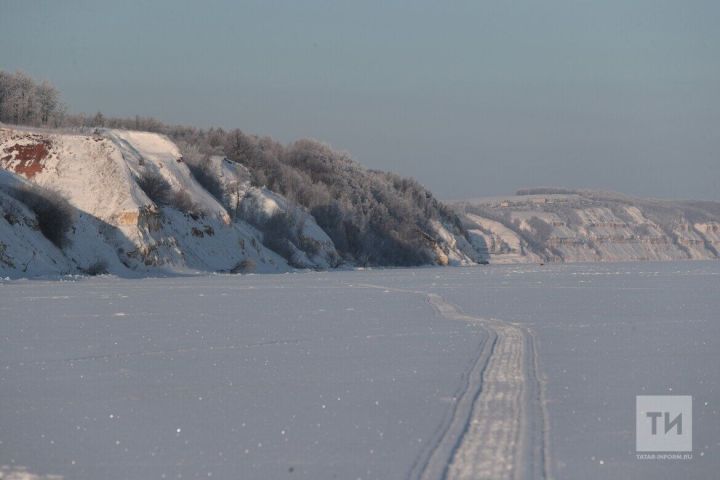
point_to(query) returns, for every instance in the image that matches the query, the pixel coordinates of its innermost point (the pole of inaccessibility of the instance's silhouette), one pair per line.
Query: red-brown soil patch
(29, 158)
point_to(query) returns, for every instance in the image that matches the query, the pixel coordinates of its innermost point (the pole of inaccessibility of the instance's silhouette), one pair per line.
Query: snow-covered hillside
(137, 208)
(587, 226)
(116, 224)
(23, 249)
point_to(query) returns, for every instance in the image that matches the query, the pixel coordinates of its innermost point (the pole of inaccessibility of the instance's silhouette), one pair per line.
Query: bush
(278, 232)
(182, 201)
(159, 191)
(569, 216)
(207, 179)
(54, 214)
(155, 187)
(541, 230)
(310, 245)
(99, 267)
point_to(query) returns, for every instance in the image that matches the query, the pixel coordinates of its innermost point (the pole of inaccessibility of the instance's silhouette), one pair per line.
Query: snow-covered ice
(475, 372)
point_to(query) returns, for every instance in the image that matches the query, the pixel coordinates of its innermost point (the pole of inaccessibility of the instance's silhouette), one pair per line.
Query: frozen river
(483, 372)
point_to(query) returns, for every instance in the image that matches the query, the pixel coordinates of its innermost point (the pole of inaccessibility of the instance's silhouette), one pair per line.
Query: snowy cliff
(589, 226)
(116, 226)
(135, 207)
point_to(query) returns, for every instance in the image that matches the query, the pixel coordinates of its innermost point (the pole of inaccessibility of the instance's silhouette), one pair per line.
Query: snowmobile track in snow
(498, 426)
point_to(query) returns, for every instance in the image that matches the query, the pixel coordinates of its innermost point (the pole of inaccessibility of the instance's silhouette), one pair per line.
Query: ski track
(498, 426)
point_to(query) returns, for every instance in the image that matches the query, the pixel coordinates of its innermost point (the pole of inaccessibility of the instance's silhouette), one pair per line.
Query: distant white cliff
(559, 225)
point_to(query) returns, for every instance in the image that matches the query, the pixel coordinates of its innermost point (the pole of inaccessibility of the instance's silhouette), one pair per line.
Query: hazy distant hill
(548, 224)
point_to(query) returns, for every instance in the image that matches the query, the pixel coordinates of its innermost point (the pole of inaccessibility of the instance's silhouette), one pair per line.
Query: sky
(472, 98)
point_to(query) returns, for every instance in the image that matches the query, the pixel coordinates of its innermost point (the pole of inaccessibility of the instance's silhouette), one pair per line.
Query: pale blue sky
(472, 98)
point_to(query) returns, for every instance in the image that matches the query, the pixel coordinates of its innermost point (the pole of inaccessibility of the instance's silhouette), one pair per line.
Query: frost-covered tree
(22, 101)
(98, 120)
(48, 101)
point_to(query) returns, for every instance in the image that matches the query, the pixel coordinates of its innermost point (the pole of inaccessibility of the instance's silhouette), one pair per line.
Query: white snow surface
(474, 372)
